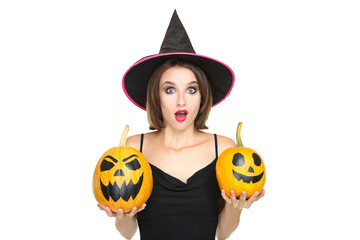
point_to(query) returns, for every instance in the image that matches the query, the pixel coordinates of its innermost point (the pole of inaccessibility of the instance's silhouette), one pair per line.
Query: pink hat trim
(176, 53)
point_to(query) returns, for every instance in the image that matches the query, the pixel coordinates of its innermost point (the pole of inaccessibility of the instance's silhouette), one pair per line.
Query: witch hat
(176, 44)
(176, 38)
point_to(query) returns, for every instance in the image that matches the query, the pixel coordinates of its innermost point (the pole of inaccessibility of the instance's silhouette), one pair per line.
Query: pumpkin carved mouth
(124, 192)
(248, 179)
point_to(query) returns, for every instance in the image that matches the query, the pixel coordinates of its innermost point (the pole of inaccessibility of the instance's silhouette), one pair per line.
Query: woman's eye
(170, 90)
(191, 90)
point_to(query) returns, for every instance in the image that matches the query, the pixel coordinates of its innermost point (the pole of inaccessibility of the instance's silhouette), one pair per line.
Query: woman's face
(179, 97)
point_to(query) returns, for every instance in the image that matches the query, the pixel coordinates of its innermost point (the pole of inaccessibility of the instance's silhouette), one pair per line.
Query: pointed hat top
(176, 38)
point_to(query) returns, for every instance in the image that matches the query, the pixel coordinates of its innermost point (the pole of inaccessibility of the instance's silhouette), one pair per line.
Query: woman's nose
(180, 100)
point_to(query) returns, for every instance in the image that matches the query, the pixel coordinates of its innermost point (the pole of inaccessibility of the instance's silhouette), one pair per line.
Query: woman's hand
(125, 222)
(120, 214)
(241, 202)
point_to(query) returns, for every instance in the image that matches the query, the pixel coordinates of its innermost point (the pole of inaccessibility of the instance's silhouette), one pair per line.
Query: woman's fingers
(233, 197)
(233, 200)
(135, 210)
(241, 201)
(226, 198)
(261, 194)
(252, 199)
(109, 212)
(142, 207)
(132, 212)
(120, 213)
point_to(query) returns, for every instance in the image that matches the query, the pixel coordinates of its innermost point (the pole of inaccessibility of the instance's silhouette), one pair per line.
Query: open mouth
(124, 192)
(180, 115)
(248, 179)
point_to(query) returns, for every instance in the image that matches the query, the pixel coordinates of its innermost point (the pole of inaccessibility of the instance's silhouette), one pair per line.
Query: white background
(62, 105)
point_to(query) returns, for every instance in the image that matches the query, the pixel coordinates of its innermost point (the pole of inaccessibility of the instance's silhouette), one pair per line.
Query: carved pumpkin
(240, 169)
(122, 178)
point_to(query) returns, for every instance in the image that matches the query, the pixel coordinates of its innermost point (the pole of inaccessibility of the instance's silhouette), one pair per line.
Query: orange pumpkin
(240, 169)
(122, 178)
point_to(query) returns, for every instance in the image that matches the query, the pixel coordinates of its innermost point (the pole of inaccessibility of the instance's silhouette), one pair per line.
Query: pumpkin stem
(239, 142)
(123, 137)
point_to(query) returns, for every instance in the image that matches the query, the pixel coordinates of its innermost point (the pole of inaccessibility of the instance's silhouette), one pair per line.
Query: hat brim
(220, 76)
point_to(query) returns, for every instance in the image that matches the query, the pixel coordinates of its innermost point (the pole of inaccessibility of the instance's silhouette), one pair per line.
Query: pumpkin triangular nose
(251, 169)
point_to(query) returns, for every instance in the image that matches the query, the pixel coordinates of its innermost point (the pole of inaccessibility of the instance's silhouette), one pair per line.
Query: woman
(186, 202)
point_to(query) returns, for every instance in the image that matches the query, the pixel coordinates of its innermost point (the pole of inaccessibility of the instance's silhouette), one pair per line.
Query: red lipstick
(180, 115)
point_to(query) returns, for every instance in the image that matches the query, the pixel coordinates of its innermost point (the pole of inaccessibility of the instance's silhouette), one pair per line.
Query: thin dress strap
(216, 146)
(141, 142)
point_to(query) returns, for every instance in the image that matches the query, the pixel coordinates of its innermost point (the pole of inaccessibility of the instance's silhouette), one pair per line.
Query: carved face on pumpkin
(240, 169)
(122, 179)
(249, 168)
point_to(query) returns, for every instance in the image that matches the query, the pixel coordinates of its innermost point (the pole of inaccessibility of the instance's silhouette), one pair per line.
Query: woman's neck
(177, 140)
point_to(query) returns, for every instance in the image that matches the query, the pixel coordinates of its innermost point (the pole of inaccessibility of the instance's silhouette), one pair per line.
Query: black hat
(176, 44)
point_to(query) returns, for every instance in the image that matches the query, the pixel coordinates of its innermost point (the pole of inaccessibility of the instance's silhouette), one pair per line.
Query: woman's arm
(126, 223)
(229, 217)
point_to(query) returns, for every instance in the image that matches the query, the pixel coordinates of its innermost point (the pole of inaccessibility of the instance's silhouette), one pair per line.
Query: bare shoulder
(224, 143)
(134, 141)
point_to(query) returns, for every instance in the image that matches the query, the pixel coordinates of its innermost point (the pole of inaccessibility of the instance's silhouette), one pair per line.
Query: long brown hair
(153, 106)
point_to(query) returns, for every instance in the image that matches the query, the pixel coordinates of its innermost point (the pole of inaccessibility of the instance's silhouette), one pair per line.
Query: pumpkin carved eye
(134, 164)
(106, 165)
(238, 160)
(257, 159)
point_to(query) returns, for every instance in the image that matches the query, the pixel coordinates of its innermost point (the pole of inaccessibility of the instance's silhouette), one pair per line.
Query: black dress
(178, 210)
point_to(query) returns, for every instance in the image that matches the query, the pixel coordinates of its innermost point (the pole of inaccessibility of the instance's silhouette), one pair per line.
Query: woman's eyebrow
(171, 83)
(193, 82)
(167, 82)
